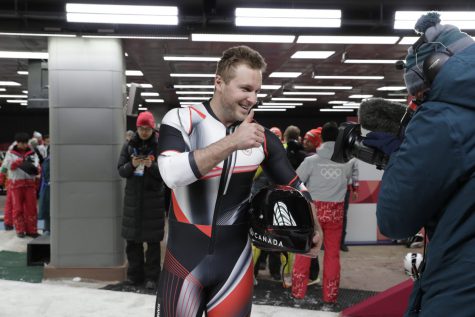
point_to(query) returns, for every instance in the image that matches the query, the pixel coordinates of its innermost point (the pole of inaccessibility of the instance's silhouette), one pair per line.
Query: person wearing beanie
(429, 181)
(312, 140)
(144, 204)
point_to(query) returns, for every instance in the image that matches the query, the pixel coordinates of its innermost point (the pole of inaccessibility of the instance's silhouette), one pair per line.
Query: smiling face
(233, 100)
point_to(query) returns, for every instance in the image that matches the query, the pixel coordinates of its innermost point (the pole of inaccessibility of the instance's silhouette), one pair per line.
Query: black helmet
(281, 220)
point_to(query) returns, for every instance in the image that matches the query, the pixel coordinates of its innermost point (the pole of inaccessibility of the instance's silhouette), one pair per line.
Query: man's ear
(218, 82)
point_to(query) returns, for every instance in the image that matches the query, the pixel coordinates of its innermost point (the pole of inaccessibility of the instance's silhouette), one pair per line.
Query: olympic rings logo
(330, 172)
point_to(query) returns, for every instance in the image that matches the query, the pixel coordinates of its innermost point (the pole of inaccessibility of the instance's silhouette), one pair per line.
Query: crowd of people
(205, 162)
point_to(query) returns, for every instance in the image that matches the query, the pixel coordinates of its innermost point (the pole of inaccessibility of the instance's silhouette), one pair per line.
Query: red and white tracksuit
(330, 216)
(22, 188)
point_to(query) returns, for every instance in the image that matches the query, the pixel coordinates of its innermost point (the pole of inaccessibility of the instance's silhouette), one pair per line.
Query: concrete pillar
(87, 124)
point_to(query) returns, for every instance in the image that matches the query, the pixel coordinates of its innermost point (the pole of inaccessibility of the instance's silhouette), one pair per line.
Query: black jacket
(144, 206)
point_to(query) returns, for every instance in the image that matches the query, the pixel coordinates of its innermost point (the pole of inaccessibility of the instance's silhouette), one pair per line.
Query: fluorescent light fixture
(294, 99)
(38, 34)
(261, 95)
(274, 109)
(9, 83)
(193, 86)
(149, 94)
(335, 110)
(351, 77)
(133, 73)
(125, 54)
(285, 74)
(270, 87)
(462, 19)
(351, 104)
(25, 55)
(154, 100)
(3, 89)
(324, 87)
(287, 17)
(314, 93)
(370, 61)
(408, 40)
(191, 75)
(15, 100)
(13, 96)
(336, 39)
(195, 92)
(313, 54)
(191, 58)
(143, 109)
(121, 14)
(23, 91)
(397, 100)
(135, 37)
(282, 104)
(391, 88)
(190, 102)
(193, 98)
(360, 96)
(260, 38)
(347, 107)
(337, 102)
(141, 85)
(22, 72)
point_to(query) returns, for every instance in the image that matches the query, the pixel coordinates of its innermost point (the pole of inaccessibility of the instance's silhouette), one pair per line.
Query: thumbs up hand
(249, 134)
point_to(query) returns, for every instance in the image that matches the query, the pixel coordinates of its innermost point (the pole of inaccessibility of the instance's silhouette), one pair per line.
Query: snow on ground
(10, 242)
(56, 300)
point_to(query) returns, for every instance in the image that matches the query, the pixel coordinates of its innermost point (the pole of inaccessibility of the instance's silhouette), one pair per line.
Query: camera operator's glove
(383, 141)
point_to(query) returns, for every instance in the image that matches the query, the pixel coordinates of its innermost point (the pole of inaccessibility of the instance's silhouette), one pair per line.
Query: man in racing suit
(208, 156)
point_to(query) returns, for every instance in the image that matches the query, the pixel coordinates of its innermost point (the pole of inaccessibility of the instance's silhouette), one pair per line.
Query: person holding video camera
(144, 207)
(429, 181)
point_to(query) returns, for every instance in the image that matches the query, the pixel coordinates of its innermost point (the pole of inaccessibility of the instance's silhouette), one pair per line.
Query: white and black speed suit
(208, 262)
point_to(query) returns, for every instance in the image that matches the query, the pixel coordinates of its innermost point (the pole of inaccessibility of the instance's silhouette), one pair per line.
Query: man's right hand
(249, 134)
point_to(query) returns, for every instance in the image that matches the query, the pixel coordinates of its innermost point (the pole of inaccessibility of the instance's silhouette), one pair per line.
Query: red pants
(8, 210)
(330, 217)
(25, 216)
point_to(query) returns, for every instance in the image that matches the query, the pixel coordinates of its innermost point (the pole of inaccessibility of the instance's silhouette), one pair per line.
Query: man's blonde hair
(239, 55)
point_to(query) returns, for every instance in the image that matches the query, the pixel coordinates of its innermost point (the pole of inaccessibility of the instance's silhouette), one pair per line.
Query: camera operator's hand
(383, 141)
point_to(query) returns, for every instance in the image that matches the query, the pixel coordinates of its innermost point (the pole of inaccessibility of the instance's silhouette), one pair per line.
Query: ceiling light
(391, 88)
(408, 40)
(13, 96)
(270, 87)
(154, 100)
(313, 54)
(133, 73)
(23, 91)
(335, 110)
(3, 89)
(121, 14)
(191, 75)
(135, 37)
(287, 17)
(22, 72)
(38, 34)
(370, 61)
(141, 85)
(337, 102)
(324, 87)
(15, 100)
(193, 86)
(261, 95)
(142, 109)
(25, 55)
(274, 109)
(461, 19)
(335, 39)
(149, 94)
(315, 93)
(350, 77)
(193, 98)
(242, 38)
(397, 100)
(360, 96)
(347, 107)
(282, 104)
(9, 83)
(285, 74)
(195, 92)
(294, 99)
(191, 58)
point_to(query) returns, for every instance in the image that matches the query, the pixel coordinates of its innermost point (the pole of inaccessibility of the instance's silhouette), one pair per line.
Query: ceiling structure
(359, 18)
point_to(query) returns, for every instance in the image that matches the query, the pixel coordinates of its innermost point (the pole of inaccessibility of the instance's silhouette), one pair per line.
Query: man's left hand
(317, 238)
